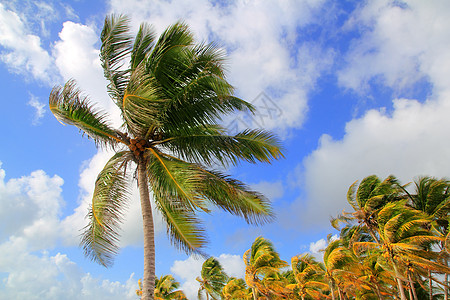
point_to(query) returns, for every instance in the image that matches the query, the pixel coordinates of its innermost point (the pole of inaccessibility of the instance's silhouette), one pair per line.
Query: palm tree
(166, 289)
(261, 260)
(370, 196)
(171, 93)
(308, 280)
(404, 234)
(212, 280)
(431, 196)
(236, 289)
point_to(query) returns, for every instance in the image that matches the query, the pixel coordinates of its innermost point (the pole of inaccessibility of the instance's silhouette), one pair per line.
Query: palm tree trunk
(430, 284)
(254, 291)
(446, 280)
(411, 285)
(148, 283)
(378, 292)
(399, 281)
(332, 290)
(446, 287)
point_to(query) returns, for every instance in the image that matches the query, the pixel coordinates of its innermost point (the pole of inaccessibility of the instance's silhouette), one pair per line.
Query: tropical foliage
(393, 245)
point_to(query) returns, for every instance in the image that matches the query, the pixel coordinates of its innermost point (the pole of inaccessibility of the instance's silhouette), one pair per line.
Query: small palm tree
(171, 93)
(261, 260)
(166, 288)
(308, 277)
(213, 279)
(236, 289)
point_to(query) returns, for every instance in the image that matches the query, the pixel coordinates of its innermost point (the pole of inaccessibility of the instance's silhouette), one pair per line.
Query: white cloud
(260, 40)
(400, 44)
(39, 109)
(30, 211)
(23, 53)
(190, 268)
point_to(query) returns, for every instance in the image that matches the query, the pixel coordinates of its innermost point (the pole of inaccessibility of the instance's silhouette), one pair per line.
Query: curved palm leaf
(69, 106)
(116, 46)
(100, 236)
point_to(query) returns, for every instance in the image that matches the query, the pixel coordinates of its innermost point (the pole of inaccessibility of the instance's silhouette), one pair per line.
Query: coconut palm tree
(212, 280)
(171, 93)
(366, 200)
(166, 289)
(261, 260)
(308, 280)
(432, 196)
(404, 234)
(236, 289)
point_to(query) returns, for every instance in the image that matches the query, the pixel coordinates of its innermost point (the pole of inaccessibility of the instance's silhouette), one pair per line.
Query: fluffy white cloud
(272, 190)
(37, 200)
(401, 45)
(259, 38)
(23, 52)
(190, 268)
(30, 211)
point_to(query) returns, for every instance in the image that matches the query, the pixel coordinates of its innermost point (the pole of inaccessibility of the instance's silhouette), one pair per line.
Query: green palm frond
(169, 54)
(101, 235)
(71, 107)
(142, 103)
(176, 179)
(209, 144)
(185, 231)
(143, 43)
(116, 46)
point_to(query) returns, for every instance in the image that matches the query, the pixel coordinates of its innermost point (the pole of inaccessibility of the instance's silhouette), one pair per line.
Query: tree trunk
(148, 283)
(254, 292)
(411, 285)
(378, 292)
(430, 284)
(332, 290)
(399, 282)
(446, 287)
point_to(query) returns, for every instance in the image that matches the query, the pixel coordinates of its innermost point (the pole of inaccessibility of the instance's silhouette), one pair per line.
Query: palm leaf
(69, 106)
(101, 235)
(209, 145)
(143, 43)
(116, 46)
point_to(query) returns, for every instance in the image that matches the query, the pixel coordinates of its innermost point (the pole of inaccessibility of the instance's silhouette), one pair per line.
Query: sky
(352, 88)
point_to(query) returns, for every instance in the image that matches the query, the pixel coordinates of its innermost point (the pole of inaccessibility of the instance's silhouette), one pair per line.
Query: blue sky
(355, 87)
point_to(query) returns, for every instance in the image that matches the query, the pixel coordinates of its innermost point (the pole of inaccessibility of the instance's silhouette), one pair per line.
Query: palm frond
(101, 235)
(71, 107)
(143, 44)
(116, 46)
(183, 228)
(209, 145)
(142, 103)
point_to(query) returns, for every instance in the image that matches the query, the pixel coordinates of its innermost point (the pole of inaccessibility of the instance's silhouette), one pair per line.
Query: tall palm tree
(261, 260)
(212, 280)
(171, 93)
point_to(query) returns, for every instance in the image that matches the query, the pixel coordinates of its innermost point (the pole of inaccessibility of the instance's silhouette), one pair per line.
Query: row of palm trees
(394, 244)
